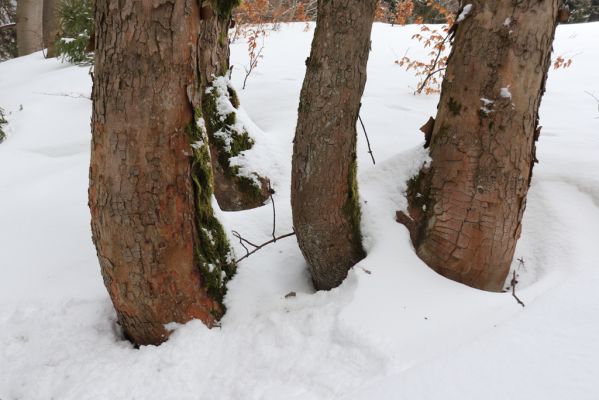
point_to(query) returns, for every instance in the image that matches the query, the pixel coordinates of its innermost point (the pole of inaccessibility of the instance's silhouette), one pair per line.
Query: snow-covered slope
(393, 330)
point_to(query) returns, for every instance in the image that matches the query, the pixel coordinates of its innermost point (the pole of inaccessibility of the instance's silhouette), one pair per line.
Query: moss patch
(229, 138)
(224, 8)
(351, 208)
(213, 250)
(454, 106)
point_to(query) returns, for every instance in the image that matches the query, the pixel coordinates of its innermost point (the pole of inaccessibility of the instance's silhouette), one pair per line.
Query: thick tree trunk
(232, 192)
(324, 193)
(468, 205)
(164, 256)
(214, 54)
(29, 26)
(51, 26)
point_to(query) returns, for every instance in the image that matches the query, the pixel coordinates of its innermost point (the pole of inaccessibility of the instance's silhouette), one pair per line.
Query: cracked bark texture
(141, 194)
(232, 192)
(324, 193)
(468, 204)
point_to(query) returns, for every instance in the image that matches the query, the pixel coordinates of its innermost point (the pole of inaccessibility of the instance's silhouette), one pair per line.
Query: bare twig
(249, 253)
(433, 68)
(72, 95)
(595, 98)
(243, 241)
(514, 282)
(254, 57)
(274, 212)
(366, 134)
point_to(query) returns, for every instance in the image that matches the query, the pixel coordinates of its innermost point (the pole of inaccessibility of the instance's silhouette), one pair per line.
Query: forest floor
(394, 329)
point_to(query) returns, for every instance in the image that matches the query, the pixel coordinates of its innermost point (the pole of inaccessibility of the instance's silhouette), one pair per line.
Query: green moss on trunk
(228, 139)
(224, 8)
(352, 207)
(213, 251)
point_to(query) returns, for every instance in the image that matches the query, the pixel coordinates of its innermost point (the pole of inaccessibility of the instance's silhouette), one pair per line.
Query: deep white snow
(393, 330)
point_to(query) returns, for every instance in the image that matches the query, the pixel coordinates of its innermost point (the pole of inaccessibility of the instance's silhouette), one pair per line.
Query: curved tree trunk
(233, 192)
(468, 206)
(29, 26)
(164, 256)
(324, 193)
(51, 26)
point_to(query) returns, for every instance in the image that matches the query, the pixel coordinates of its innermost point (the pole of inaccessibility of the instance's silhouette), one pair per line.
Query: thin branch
(8, 26)
(71, 95)
(253, 63)
(367, 139)
(243, 241)
(434, 64)
(264, 244)
(274, 211)
(594, 97)
(514, 282)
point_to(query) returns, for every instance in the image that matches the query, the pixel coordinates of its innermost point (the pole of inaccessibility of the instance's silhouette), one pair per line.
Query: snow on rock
(393, 330)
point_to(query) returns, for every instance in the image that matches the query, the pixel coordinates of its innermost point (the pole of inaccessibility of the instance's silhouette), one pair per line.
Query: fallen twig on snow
(514, 282)
(243, 241)
(366, 134)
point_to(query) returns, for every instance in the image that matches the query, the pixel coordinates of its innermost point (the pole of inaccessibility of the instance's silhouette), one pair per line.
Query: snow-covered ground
(393, 330)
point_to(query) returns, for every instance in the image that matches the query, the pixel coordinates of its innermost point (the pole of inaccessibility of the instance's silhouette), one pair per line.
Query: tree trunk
(29, 26)
(594, 11)
(467, 206)
(324, 193)
(51, 26)
(233, 192)
(163, 255)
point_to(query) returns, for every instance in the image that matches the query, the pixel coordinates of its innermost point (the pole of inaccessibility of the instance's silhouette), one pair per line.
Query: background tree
(8, 33)
(29, 26)
(324, 191)
(467, 206)
(164, 256)
(594, 16)
(50, 26)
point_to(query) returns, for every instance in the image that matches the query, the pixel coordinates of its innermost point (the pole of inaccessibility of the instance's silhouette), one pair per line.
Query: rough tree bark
(466, 208)
(29, 26)
(51, 26)
(164, 256)
(324, 193)
(232, 192)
